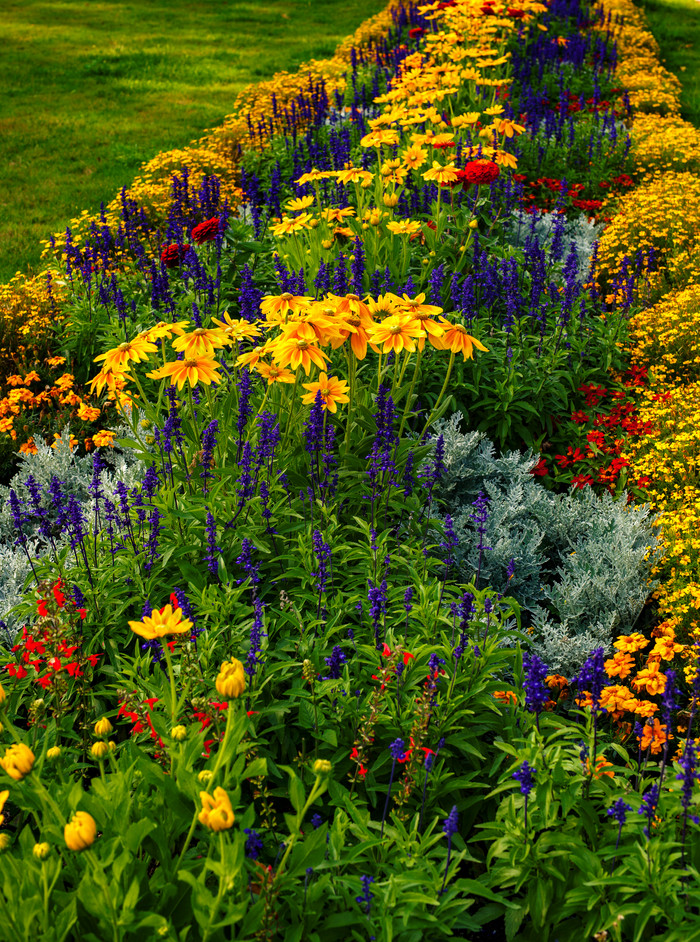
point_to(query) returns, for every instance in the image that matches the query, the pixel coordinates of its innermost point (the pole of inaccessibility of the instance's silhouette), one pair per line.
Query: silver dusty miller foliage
(582, 563)
(75, 474)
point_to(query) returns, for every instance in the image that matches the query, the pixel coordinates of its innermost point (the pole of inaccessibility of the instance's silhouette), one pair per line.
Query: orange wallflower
(654, 735)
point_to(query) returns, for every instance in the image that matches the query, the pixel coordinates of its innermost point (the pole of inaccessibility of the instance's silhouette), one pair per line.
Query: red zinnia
(206, 231)
(415, 32)
(172, 255)
(478, 172)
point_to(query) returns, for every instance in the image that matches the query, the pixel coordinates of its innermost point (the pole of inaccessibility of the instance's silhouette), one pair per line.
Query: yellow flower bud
(313, 223)
(1, 727)
(103, 727)
(41, 851)
(178, 733)
(3, 696)
(327, 243)
(390, 200)
(112, 746)
(230, 682)
(5, 841)
(99, 749)
(216, 813)
(204, 776)
(53, 753)
(322, 767)
(80, 832)
(473, 223)
(18, 761)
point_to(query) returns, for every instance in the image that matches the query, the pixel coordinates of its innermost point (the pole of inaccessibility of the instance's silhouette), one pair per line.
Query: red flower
(581, 481)
(516, 14)
(579, 417)
(16, 670)
(478, 172)
(206, 231)
(44, 681)
(415, 32)
(151, 700)
(73, 669)
(55, 664)
(361, 771)
(172, 255)
(83, 613)
(173, 601)
(58, 595)
(41, 608)
(540, 469)
(94, 658)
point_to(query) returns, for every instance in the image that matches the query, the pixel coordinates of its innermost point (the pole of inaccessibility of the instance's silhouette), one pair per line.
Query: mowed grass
(676, 27)
(92, 89)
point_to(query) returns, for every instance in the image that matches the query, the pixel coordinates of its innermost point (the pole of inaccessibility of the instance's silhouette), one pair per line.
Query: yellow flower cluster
(651, 87)
(663, 143)
(666, 337)
(663, 215)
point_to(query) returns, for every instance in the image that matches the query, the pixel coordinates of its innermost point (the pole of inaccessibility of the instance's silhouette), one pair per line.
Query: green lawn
(92, 89)
(676, 27)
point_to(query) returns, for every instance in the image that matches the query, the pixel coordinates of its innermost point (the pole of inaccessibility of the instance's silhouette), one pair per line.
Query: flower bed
(301, 651)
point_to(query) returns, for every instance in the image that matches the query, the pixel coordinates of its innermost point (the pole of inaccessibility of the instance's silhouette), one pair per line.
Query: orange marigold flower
(617, 699)
(103, 439)
(620, 665)
(632, 643)
(650, 679)
(645, 708)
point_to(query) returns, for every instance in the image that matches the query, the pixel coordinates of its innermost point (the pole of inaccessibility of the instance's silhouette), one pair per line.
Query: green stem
(171, 675)
(407, 407)
(217, 902)
(442, 393)
(100, 878)
(352, 368)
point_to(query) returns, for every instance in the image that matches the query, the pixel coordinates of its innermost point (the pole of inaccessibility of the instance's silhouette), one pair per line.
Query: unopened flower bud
(308, 672)
(103, 727)
(322, 767)
(53, 753)
(41, 851)
(230, 682)
(178, 733)
(3, 696)
(99, 749)
(473, 223)
(5, 841)
(390, 200)
(204, 776)
(80, 832)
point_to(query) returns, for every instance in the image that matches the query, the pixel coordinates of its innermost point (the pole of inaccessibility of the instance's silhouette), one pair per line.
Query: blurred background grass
(676, 27)
(92, 89)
